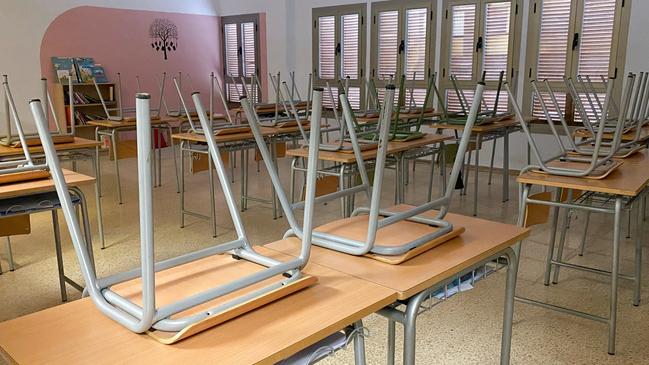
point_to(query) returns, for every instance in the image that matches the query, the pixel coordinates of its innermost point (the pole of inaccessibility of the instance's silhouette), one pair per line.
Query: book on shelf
(83, 118)
(81, 98)
(85, 69)
(64, 68)
(99, 74)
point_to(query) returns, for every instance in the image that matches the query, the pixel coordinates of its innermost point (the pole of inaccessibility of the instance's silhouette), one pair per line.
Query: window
(571, 39)
(481, 41)
(339, 51)
(402, 34)
(241, 56)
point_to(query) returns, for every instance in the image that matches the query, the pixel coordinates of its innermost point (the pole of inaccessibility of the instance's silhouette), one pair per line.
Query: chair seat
(396, 234)
(32, 204)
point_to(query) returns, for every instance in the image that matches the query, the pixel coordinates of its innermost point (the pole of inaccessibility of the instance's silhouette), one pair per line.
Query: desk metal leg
(97, 162)
(562, 240)
(173, 152)
(391, 341)
(10, 255)
(582, 245)
(614, 276)
(341, 187)
(475, 178)
(506, 165)
(359, 344)
(410, 327)
(100, 218)
(553, 235)
(212, 200)
(292, 184)
(639, 226)
(182, 185)
(59, 255)
(431, 177)
(242, 183)
(491, 161)
(442, 167)
(113, 141)
(508, 313)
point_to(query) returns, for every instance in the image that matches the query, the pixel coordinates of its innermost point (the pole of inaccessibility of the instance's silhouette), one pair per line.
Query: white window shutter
(327, 50)
(415, 62)
(496, 39)
(553, 39)
(350, 46)
(463, 21)
(388, 43)
(596, 37)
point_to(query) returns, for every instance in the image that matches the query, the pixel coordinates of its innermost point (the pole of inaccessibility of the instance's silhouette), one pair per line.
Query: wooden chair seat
(185, 280)
(396, 234)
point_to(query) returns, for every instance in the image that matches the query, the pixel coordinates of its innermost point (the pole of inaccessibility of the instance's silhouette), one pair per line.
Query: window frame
(513, 56)
(239, 20)
(338, 12)
(431, 32)
(617, 58)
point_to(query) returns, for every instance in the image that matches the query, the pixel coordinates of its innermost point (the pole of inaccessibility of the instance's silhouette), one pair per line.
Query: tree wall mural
(164, 35)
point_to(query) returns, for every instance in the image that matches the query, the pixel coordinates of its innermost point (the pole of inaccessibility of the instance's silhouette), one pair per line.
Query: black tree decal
(164, 35)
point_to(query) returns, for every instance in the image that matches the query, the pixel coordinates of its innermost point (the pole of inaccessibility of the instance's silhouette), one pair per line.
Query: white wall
(24, 22)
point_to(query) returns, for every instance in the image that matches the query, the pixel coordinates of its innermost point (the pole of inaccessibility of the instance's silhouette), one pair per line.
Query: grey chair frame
(140, 318)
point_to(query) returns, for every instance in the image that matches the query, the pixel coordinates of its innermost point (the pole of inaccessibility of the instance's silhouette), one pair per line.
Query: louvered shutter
(496, 39)
(388, 44)
(240, 51)
(463, 21)
(327, 47)
(415, 43)
(553, 39)
(350, 46)
(596, 37)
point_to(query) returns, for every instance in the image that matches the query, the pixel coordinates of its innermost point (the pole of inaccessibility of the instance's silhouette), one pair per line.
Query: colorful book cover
(64, 69)
(85, 67)
(99, 74)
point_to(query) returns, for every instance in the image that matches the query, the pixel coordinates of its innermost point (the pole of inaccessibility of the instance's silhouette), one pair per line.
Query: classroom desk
(81, 148)
(482, 133)
(78, 333)
(25, 189)
(628, 136)
(345, 161)
(415, 279)
(403, 116)
(110, 129)
(266, 109)
(624, 188)
(196, 143)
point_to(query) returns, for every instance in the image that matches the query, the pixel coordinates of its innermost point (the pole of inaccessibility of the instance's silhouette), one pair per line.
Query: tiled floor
(462, 330)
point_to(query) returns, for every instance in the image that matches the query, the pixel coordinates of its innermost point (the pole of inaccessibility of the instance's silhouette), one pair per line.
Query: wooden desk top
(481, 240)
(78, 144)
(627, 180)
(628, 136)
(44, 185)
(128, 122)
(222, 138)
(393, 147)
(402, 116)
(485, 128)
(77, 332)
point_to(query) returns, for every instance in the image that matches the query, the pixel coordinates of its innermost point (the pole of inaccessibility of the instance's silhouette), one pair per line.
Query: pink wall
(119, 40)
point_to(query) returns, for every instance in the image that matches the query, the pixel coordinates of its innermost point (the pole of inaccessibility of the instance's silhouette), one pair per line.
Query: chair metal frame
(10, 112)
(140, 318)
(378, 218)
(595, 160)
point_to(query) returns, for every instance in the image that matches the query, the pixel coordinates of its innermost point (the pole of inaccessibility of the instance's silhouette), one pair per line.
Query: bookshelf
(86, 105)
